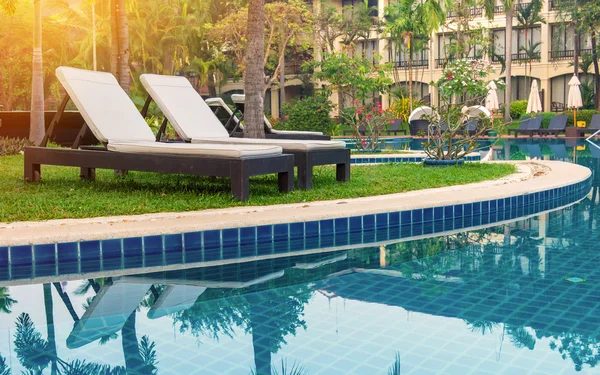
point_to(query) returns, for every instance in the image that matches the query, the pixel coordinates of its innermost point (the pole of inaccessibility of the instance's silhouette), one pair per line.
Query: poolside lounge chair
(594, 126)
(236, 129)
(528, 126)
(194, 122)
(417, 127)
(361, 129)
(395, 128)
(471, 127)
(129, 144)
(557, 125)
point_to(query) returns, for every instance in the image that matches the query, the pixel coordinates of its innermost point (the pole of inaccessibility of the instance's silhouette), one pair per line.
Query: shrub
(582, 115)
(309, 114)
(518, 108)
(546, 118)
(13, 146)
(401, 108)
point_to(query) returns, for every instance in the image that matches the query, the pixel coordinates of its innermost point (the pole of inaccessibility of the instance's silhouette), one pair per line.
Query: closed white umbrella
(534, 104)
(491, 100)
(574, 99)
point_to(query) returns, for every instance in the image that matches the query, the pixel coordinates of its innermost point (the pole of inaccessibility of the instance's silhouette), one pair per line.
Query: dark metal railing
(415, 63)
(566, 54)
(521, 6)
(520, 57)
(473, 11)
(499, 9)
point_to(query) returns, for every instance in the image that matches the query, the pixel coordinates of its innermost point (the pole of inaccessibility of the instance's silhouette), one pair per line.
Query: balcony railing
(473, 11)
(520, 57)
(521, 6)
(415, 63)
(554, 4)
(499, 9)
(566, 54)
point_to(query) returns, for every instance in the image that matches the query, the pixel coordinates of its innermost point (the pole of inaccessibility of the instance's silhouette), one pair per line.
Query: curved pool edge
(560, 175)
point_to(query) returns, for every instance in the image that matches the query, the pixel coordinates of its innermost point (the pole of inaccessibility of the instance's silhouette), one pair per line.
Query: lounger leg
(32, 171)
(342, 171)
(88, 174)
(304, 172)
(240, 183)
(286, 181)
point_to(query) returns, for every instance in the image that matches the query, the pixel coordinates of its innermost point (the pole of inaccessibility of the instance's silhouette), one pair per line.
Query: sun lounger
(419, 127)
(471, 126)
(362, 130)
(557, 125)
(528, 126)
(535, 151)
(395, 128)
(559, 151)
(239, 103)
(175, 298)
(194, 122)
(129, 144)
(593, 128)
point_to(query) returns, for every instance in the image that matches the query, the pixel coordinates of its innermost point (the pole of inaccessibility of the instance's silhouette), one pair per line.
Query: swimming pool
(518, 298)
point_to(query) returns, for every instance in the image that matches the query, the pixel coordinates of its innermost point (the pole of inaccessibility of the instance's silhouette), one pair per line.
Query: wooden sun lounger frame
(303, 160)
(89, 158)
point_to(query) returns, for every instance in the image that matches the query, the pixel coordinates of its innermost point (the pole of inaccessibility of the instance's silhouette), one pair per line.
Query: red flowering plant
(367, 122)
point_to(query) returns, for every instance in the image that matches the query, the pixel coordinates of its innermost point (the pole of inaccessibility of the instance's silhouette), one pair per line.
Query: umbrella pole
(575, 117)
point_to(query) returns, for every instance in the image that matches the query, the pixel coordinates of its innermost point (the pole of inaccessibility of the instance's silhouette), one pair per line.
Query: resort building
(550, 60)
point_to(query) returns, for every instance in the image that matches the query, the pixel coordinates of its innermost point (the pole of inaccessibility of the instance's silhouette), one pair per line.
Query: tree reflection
(582, 350)
(6, 303)
(4, 369)
(31, 349)
(395, 368)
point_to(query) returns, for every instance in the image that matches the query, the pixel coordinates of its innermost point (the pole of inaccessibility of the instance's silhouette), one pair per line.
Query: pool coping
(560, 174)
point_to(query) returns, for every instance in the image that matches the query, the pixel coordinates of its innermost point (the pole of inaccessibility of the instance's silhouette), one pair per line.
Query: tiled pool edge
(25, 261)
(390, 158)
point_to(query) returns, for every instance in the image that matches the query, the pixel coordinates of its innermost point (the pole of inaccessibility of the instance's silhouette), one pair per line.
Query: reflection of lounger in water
(107, 312)
(307, 265)
(559, 151)
(595, 150)
(175, 298)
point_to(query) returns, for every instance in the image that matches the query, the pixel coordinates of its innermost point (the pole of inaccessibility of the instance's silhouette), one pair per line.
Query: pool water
(517, 298)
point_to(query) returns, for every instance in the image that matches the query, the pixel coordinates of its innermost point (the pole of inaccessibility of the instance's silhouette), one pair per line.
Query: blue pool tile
(428, 215)
(4, 263)
(133, 256)
(90, 256)
(21, 259)
(476, 208)
(192, 242)
(438, 214)
(500, 204)
(394, 233)
(173, 248)
(312, 234)
(45, 260)
(394, 219)
(467, 209)
(458, 210)
(355, 238)
(428, 227)
(248, 241)
(111, 254)
(281, 238)
(381, 220)
(326, 232)
(230, 243)
(153, 251)
(368, 222)
(406, 231)
(341, 226)
(448, 224)
(448, 212)
(438, 226)
(355, 223)
(417, 216)
(369, 236)
(405, 218)
(212, 245)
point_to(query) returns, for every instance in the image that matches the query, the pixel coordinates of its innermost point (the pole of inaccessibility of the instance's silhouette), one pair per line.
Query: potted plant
(455, 126)
(367, 122)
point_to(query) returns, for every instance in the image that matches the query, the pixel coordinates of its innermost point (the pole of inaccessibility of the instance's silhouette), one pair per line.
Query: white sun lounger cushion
(193, 120)
(216, 150)
(105, 107)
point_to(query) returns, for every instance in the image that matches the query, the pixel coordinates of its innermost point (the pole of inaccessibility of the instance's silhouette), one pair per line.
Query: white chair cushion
(216, 150)
(286, 144)
(183, 106)
(105, 107)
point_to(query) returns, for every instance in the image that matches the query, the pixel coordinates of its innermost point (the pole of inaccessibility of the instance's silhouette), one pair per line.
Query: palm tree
(36, 127)
(255, 70)
(4, 369)
(119, 57)
(5, 301)
(410, 19)
(395, 368)
(489, 6)
(531, 52)
(528, 15)
(31, 349)
(8, 5)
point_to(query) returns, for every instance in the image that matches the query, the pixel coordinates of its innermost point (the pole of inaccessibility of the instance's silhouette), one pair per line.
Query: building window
(368, 50)
(559, 90)
(371, 4)
(521, 39)
(420, 90)
(563, 42)
(520, 88)
(399, 55)
(445, 52)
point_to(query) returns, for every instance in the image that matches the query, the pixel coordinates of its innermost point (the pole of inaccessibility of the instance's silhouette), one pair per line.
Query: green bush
(518, 108)
(546, 118)
(582, 115)
(13, 146)
(309, 114)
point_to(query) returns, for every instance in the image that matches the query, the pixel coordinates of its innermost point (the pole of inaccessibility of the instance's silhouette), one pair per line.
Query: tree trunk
(508, 59)
(36, 124)
(114, 39)
(124, 76)
(281, 85)
(212, 89)
(596, 70)
(255, 71)
(131, 350)
(410, 77)
(576, 52)
(49, 307)
(260, 341)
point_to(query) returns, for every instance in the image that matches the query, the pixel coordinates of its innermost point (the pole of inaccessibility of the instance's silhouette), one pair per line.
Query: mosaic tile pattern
(235, 243)
(380, 159)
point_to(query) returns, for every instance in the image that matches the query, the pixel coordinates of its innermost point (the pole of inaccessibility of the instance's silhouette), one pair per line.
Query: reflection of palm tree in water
(6, 302)
(4, 369)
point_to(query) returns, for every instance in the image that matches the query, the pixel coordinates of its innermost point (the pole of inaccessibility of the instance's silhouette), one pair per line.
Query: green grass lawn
(62, 195)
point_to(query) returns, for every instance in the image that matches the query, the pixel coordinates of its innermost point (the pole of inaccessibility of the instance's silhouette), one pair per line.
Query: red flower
(369, 116)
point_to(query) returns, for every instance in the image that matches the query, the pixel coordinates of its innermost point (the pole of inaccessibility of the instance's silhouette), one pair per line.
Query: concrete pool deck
(532, 176)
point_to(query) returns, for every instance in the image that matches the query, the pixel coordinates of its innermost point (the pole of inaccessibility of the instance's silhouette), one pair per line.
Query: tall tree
(255, 70)
(120, 44)
(529, 15)
(36, 123)
(509, 9)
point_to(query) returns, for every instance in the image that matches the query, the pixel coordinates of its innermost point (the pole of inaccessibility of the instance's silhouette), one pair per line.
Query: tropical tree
(4, 369)
(396, 366)
(36, 123)
(532, 53)
(509, 8)
(255, 70)
(6, 302)
(8, 5)
(407, 20)
(119, 57)
(528, 15)
(31, 349)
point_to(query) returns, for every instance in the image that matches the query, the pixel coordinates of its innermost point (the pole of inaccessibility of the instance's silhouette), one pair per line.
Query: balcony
(403, 64)
(473, 12)
(521, 6)
(519, 57)
(499, 9)
(566, 54)
(554, 4)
